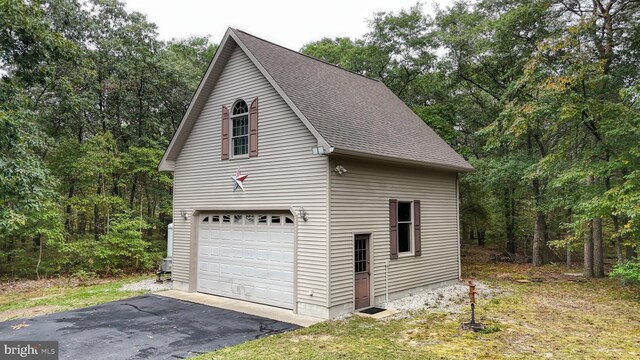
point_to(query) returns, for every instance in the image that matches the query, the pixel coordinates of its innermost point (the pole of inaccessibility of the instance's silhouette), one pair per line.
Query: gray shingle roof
(351, 112)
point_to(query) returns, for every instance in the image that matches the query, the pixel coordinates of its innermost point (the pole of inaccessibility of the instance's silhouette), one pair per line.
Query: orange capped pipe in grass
(472, 325)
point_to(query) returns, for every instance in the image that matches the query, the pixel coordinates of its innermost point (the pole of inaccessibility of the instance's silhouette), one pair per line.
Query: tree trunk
(481, 236)
(598, 256)
(618, 241)
(39, 256)
(588, 251)
(538, 239)
(619, 253)
(463, 229)
(67, 221)
(81, 227)
(568, 255)
(539, 227)
(630, 252)
(132, 194)
(509, 212)
(96, 214)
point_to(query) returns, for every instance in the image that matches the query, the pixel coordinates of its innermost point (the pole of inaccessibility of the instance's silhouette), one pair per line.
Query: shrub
(123, 247)
(628, 272)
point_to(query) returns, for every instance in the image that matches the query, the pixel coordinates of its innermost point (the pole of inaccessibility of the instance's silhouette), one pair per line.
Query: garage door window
(249, 219)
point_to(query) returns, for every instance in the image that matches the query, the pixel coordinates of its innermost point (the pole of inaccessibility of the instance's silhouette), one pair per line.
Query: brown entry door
(362, 271)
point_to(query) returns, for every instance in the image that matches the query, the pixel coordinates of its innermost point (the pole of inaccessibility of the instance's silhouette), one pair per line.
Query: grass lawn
(32, 298)
(552, 316)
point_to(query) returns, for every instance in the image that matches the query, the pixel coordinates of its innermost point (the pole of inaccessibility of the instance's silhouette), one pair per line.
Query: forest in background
(540, 96)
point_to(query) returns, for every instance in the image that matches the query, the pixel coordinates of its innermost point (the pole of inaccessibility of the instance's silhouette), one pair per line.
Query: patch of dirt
(452, 299)
(477, 254)
(299, 338)
(24, 286)
(29, 312)
(480, 262)
(146, 285)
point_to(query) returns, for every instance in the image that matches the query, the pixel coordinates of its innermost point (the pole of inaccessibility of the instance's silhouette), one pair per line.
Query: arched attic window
(240, 128)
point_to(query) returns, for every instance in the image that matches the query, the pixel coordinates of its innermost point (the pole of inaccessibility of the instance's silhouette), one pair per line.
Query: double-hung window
(404, 227)
(239, 130)
(405, 230)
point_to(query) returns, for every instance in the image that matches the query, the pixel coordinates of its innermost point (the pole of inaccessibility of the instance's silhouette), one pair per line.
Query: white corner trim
(167, 165)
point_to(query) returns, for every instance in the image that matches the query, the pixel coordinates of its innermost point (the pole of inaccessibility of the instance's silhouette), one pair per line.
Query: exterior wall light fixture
(302, 213)
(319, 150)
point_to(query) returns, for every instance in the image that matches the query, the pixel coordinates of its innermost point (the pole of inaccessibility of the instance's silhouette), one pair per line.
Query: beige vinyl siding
(285, 175)
(359, 203)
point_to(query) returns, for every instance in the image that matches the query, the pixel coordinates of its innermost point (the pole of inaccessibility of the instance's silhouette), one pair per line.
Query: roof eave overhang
(177, 141)
(168, 159)
(321, 141)
(167, 165)
(408, 162)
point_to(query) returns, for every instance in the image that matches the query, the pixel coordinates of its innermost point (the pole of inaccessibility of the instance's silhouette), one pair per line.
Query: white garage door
(247, 257)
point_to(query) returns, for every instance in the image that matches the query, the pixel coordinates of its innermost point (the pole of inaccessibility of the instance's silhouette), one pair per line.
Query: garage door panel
(280, 276)
(262, 255)
(203, 266)
(280, 257)
(236, 287)
(258, 272)
(248, 258)
(260, 235)
(248, 254)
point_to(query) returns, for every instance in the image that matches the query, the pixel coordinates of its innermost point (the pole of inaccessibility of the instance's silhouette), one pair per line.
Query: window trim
(232, 117)
(411, 223)
(416, 236)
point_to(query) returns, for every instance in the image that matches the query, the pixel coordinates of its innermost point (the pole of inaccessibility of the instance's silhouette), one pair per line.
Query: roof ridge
(308, 56)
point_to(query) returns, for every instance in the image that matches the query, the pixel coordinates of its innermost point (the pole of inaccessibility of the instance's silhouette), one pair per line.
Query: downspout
(386, 282)
(458, 225)
(328, 237)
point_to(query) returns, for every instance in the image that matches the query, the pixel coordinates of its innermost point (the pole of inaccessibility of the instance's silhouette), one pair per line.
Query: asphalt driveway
(143, 327)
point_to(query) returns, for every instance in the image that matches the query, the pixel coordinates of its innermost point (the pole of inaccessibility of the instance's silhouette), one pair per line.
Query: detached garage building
(304, 186)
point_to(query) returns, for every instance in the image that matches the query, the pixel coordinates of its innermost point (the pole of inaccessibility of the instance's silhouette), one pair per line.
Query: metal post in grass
(472, 325)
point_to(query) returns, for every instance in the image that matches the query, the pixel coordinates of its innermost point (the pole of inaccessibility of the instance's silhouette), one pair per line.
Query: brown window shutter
(253, 128)
(417, 229)
(225, 133)
(393, 228)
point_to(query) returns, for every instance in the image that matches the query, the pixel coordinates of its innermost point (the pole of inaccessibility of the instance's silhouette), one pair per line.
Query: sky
(289, 23)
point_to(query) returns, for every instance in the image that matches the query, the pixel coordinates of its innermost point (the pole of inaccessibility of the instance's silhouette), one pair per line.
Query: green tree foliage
(29, 216)
(541, 96)
(551, 75)
(91, 99)
(397, 50)
(628, 272)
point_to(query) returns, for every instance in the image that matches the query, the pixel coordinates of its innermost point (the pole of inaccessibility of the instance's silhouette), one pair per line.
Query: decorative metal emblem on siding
(237, 180)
